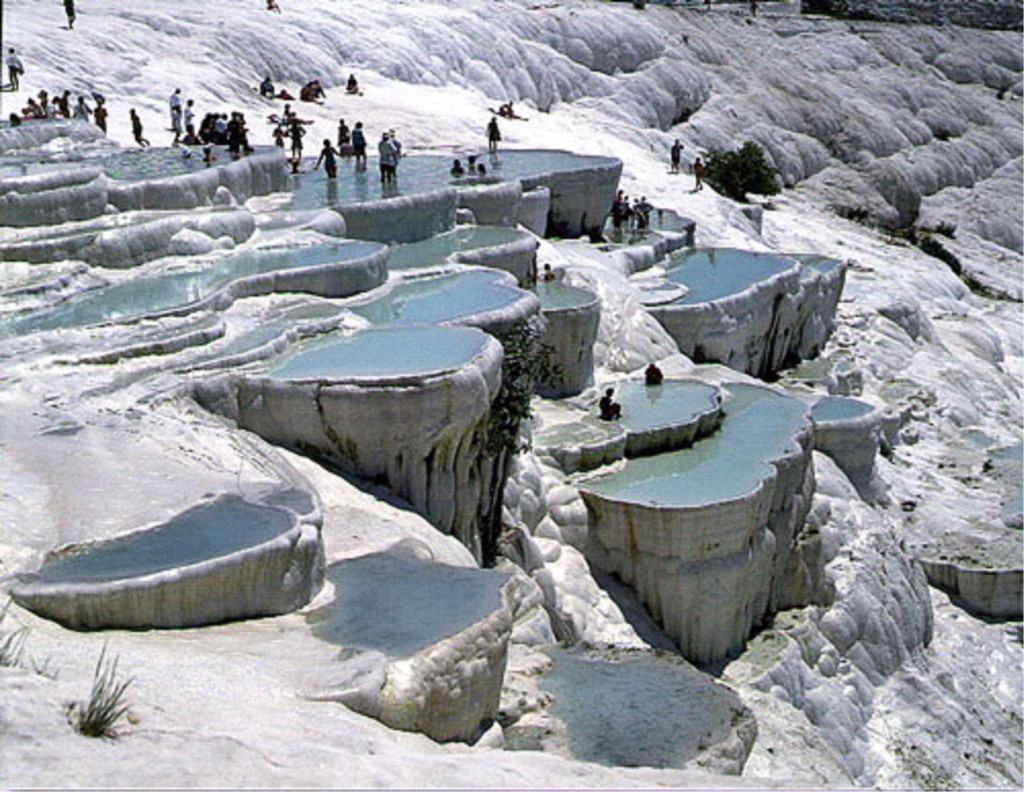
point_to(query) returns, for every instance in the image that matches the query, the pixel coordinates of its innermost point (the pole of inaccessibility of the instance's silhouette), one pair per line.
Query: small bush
(858, 214)
(12, 644)
(934, 248)
(736, 173)
(106, 705)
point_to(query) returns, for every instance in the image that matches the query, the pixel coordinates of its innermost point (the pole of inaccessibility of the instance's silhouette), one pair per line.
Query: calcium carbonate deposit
(366, 481)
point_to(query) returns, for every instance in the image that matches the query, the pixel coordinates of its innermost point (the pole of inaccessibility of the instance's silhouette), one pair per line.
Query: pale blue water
(199, 534)
(554, 295)
(839, 408)
(821, 264)
(759, 426)
(399, 605)
(387, 352)
(11, 167)
(178, 289)
(437, 249)
(442, 298)
(637, 710)
(674, 402)
(419, 174)
(711, 274)
(158, 162)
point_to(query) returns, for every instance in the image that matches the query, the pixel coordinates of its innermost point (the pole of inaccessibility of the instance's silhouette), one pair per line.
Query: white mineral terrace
(275, 442)
(227, 559)
(705, 534)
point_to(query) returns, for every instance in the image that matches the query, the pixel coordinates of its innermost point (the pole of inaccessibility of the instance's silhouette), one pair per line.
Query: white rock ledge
(434, 669)
(49, 197)
(409, 218)
(132, 581)
(580, 196)
(762, 328)
(420, 431)
(260, 173)
(849, 431)
(572, 316)
(710, 568)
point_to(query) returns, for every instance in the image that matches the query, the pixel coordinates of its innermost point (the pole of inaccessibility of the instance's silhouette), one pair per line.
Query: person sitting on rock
(312, 92)
(352, 86)
(610, 409)
(653, 375)
(267, 89)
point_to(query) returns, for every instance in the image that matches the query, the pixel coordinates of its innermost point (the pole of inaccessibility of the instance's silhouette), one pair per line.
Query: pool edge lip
(748, 291)
(245, 286)
(483, 349)
(793, 449)
(291, 535)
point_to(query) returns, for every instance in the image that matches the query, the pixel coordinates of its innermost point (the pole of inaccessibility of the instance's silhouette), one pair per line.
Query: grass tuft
(107, 704)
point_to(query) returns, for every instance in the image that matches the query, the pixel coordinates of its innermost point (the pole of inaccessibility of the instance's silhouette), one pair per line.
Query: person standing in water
(493, 135)
(69, 10)
(295, 134)
(328, 155)
(359, 144)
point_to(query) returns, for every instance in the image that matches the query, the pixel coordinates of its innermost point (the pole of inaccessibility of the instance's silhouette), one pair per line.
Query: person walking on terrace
(698, 175)
(137, 128)
(69, 11)
(676, 155)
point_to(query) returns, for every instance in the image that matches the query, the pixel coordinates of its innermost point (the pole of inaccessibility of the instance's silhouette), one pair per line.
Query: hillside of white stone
(874, 120)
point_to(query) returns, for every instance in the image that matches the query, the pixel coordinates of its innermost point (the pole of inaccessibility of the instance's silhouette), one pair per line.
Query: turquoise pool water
(159, 162)
(759, 426)
(555, 295)
(199, 534)
(437, 249)
(839, 408)
(13, 167)
(399, 605)
(378, 353)
(821, 264)
(442, 298)
(636, 709)
(711, 274)
(143, 296)
(421, 173)
(674, 402)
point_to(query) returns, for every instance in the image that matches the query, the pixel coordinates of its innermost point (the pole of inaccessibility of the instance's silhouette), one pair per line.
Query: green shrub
(934, 248)
(736, 173)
